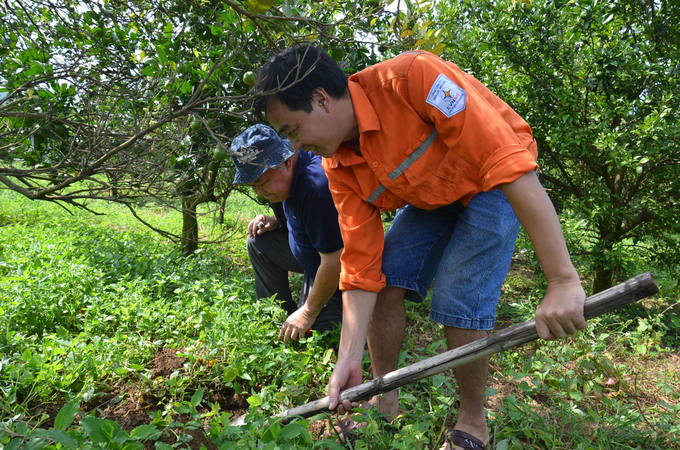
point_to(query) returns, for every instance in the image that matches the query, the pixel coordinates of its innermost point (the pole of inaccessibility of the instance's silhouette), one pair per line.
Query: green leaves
(197, 398)
(101, 431)
(587, 77)
(62, 438)
(254, 401)
(66, 414)
(110, 435)
(260, 6)
(144, 432)
(123, 80)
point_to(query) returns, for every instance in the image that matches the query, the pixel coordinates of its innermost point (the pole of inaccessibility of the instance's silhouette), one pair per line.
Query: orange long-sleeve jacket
(430, 135)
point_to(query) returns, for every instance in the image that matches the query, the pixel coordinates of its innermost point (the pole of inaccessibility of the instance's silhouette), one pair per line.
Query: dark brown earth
(137, 407)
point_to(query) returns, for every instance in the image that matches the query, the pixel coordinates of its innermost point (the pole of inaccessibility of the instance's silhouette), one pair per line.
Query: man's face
(314, 131)
(274, 184)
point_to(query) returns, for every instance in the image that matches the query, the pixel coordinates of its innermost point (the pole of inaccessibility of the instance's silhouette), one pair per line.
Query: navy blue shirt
(312, 218)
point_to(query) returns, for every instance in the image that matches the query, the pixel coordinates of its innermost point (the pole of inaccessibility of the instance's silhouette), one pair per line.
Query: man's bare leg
(385, 336)
(472, 386)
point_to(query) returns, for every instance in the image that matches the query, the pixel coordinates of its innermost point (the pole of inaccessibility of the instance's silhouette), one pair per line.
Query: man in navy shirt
(312, 243)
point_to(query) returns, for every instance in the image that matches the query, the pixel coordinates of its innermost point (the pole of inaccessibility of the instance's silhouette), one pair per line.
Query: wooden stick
(615, 297)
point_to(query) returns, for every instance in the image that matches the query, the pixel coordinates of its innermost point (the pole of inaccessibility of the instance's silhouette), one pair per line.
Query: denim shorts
(466, 250)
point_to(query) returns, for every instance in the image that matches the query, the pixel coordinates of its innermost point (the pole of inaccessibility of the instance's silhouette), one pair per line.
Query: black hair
(294, 74)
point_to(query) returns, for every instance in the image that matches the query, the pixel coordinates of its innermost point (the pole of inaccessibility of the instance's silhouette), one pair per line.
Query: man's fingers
(333, 392)
(346, 407)
(562, 327)
(543, 330)
(570, 327)
(554, 329)
(581, 323)
(289, 332)
(284, 333)
(253, 227)
(349, 406)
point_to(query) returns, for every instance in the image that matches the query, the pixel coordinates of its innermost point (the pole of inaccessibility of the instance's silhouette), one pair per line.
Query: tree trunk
(603, 276)
(189, 226)
(603, 279)
(223, 205)
(189, 218)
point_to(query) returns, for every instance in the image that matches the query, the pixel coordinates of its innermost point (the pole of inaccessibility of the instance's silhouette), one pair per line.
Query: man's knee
(461, 336)
(260, 259)
(257, 249)
(250, 245)
(391, 296)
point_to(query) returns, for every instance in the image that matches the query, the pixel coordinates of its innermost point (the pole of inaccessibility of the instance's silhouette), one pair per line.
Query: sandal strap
(465, 440)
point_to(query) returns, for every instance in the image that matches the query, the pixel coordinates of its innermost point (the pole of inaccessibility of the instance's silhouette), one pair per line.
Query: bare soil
(138, 408)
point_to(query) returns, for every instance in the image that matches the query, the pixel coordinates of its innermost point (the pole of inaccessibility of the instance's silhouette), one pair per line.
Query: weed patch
(109, 338)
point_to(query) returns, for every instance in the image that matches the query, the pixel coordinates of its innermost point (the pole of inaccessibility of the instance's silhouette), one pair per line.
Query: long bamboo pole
(606, 301)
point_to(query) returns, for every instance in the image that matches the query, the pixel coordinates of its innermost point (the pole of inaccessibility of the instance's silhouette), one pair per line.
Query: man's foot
(467, 436)
(386, 404)
(460, 440)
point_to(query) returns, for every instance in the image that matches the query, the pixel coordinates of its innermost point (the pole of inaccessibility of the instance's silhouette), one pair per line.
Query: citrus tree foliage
(599, 83)
(139, 100)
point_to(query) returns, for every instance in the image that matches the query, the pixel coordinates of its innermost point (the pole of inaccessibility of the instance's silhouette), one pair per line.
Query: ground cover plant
(110, 338)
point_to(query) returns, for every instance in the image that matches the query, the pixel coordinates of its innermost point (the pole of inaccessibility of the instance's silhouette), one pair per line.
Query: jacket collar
(301, 163)
(367, 119)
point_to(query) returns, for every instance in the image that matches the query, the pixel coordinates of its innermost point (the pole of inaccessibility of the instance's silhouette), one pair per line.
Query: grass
(109, 338)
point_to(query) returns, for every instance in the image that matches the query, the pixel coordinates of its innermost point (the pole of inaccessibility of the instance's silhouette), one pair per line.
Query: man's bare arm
(561, 311)
(325, 285)
(357, 308)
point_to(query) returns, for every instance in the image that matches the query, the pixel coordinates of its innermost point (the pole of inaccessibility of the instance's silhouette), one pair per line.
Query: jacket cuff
(506, 165)
(351, 282)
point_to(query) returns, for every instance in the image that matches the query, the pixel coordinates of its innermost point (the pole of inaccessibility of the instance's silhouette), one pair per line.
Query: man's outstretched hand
(347, 374)
(297, 324)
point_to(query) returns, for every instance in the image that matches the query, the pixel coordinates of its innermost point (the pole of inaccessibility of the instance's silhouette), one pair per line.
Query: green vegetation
(110, 338)
(164, 85)
(598, 83)
(113, 337)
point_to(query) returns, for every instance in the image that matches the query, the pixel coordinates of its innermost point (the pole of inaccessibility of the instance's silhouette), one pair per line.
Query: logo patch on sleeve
(446, 96)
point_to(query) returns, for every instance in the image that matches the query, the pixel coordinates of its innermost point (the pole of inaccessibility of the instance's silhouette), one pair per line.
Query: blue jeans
(466, 250)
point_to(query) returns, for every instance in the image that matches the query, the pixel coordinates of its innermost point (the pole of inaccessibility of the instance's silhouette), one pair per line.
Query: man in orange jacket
(417, 133)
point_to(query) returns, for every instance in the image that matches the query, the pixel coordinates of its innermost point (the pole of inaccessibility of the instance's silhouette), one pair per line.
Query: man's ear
(288, 164)
(321, 98)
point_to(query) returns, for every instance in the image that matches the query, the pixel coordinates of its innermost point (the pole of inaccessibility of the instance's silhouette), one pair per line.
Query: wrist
(350, 359)
(351, 350)
(311, 311)
(566, 276)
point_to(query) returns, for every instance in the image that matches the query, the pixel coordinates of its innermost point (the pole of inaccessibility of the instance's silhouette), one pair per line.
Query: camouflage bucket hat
(257, 150)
